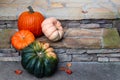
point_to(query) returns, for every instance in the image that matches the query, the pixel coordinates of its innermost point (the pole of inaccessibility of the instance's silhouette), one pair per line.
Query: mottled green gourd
(39, 59)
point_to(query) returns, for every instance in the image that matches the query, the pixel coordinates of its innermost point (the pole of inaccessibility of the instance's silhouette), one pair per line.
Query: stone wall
(87, 52)
(71, 55)
(62, 9)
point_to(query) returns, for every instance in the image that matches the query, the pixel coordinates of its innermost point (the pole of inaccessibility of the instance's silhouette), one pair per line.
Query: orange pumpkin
(30, 20)
(52, 29)
(22, 39)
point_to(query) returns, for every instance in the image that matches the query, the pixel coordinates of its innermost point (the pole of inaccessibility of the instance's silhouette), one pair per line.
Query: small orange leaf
(68, 64)
(18, 72)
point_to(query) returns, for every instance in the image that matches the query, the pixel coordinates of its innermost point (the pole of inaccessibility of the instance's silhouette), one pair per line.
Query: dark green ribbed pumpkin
(39, 60)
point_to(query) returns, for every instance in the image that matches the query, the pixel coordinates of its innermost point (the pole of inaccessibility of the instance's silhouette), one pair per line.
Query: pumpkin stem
(30, 9)
(40, 54)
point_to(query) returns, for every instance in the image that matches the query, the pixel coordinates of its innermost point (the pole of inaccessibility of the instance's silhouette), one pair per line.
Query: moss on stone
(111, 38)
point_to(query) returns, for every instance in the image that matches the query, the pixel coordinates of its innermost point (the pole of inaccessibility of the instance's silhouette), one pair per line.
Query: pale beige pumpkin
(52, 29)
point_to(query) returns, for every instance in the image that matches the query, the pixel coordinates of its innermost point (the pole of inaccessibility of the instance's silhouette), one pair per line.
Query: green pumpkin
(39, 59)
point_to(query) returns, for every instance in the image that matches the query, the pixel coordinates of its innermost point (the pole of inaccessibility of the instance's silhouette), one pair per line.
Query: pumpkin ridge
(49, 26)
(51, 33)
(30, 63)
(31, 21)
(38, 71)
(22, 39)
(39, 66)
(58, 37)
(26, 60)
(51, 69)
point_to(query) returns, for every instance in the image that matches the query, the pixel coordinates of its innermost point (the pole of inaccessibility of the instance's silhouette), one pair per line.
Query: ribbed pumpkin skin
(35, 60)
(52, 29)
(22, 39)
(31, 21)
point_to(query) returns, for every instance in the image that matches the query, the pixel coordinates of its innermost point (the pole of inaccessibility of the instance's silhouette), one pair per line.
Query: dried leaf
(18, 72)
(68, 71)
(69, 64)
